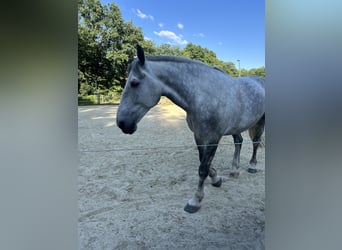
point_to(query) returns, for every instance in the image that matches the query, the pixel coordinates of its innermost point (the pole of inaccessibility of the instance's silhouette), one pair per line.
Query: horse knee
(203, 173)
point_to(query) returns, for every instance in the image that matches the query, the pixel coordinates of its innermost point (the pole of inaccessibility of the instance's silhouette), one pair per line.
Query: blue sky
(232, 29)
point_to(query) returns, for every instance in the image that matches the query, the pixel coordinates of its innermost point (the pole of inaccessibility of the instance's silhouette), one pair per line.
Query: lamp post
(238, 60)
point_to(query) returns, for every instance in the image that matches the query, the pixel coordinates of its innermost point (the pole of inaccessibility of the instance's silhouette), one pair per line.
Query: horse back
(229, 106)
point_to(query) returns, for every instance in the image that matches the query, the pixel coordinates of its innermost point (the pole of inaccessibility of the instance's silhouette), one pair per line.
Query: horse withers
(216, 104)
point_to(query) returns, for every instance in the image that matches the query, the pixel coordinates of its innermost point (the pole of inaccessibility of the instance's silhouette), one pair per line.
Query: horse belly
(190, 123)
(236, 130)
(246, 119)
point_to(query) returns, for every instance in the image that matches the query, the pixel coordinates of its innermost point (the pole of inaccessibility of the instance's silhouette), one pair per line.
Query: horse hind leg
(255, 133)
(236, 160)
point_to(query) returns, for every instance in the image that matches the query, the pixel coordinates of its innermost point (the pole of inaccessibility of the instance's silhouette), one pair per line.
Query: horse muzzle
(126, 126)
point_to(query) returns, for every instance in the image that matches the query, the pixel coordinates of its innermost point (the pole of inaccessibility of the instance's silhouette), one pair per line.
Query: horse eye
(134, 83)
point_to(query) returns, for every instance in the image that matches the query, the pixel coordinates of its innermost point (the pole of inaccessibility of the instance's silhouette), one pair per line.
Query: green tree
(199, 53)
(209, 57)
(93, 65)
(257, 71)
(149, 47)
(167, 49)
(244, 72)
(230, 68)
(106, 43)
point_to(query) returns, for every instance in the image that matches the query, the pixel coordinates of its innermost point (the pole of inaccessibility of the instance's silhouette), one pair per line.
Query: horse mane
(181, 59)
(176, 59)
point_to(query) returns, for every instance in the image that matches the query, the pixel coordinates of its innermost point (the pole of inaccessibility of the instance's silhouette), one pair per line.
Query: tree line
(106, 45)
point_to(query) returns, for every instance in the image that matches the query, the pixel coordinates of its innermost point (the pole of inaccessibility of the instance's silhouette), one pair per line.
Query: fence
(98, 99)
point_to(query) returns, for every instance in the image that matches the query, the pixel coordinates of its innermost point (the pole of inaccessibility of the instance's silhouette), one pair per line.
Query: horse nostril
(121, 124)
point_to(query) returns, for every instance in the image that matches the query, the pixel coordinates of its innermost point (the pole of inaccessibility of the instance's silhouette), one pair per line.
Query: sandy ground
(133, 188)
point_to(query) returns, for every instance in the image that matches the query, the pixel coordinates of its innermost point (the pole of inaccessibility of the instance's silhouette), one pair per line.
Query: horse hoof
(251, 170)
(191, 209)
(234, 174)
(218, 183)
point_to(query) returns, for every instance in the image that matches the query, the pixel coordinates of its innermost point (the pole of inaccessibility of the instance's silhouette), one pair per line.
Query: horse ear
(141, 55)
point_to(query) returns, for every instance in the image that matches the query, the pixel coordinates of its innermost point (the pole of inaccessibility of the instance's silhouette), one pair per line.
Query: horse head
(142, 92)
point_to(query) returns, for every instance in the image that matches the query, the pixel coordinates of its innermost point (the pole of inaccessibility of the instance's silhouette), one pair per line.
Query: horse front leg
(216, 180)
(206, 156)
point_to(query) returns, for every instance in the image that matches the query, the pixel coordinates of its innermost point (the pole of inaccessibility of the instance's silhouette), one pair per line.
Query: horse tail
(251, 132)
(254, 130)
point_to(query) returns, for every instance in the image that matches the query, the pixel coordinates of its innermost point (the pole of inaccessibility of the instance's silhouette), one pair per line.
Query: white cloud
(180, 26)
(220, 43)
(199, 35)
(161, 25)
(171, 35)
(142, 15)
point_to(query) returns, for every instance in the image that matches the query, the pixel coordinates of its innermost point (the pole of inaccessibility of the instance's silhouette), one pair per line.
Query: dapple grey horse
(216, 104)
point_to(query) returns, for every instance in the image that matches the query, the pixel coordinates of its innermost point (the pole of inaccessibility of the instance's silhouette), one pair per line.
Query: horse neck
(177, 80)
